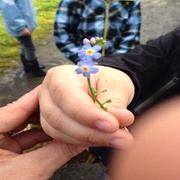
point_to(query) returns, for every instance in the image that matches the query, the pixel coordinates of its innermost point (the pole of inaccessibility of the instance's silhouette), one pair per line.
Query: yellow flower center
(85, 68)
(89, 52)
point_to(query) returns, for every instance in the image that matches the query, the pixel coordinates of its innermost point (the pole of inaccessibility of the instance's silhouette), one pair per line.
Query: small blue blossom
(86, 68)
(88, 53)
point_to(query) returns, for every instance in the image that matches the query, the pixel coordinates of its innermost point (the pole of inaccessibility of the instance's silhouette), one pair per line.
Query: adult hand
(69, 114)
(36, 164)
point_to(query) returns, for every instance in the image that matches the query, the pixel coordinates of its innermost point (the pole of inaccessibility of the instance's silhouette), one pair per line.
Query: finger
(16, 113)
(75, 133)
(23, 140)
(28, 139)
(61, 127)
(125, 117)
(37, 164)
(8, 143)
(120, 90)
(46, 160)
(81, 108)
(61, 115)
(119, 86)
(34, 120)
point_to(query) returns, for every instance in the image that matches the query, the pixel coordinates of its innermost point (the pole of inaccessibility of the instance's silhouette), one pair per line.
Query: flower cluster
(86, 65)
(87, 53)
(95, 41)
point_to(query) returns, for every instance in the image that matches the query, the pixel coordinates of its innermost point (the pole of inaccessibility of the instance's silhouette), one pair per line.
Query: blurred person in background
(117, 22)
(19, 19)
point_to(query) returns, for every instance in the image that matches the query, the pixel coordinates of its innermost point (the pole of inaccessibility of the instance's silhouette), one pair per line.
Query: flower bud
(86, 41)
(93, 40)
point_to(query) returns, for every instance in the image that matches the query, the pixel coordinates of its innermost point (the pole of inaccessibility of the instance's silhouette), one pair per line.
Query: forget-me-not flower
(86, 68)
(86, 64)
(87, 52)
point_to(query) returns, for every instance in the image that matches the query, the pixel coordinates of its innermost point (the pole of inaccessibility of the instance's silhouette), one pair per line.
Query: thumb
(46, 160)
(119, 90)
(16, 113)
(118, 85)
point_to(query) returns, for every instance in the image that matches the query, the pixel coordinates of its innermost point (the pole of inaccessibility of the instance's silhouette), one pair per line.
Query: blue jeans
(27, 47)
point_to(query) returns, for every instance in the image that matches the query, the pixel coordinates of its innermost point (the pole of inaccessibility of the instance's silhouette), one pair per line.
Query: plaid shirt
(79, 19)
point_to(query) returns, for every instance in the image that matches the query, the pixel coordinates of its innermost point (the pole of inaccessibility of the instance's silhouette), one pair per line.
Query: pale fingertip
(122, 143)
(103, 125)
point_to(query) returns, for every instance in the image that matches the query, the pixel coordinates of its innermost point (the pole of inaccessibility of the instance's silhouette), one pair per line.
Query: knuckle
(54, 120)
(93, 138)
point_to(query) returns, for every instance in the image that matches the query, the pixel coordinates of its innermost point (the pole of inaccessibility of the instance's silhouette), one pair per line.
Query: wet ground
(158, 17)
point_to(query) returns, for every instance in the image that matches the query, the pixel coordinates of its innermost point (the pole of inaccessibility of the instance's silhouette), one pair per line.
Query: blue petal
(90, 63)
(80, 63)
(81, 53)
(97, 48)
(78, 70)
(94, 70)
(86, 74)
(87, 46)
(88, 58)
(96, 55)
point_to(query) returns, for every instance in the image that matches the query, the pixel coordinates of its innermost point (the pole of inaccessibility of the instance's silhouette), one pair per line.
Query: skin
(155, 154)
(36, 164)
(68, 113)
(25, 32)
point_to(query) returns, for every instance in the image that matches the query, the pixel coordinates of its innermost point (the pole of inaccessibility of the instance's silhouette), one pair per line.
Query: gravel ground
(158, 17)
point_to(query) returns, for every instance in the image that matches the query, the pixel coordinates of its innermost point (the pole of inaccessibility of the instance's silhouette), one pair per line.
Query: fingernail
(102, 125)
(117, 143)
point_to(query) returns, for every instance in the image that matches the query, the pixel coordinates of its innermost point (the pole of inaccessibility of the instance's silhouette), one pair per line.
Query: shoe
(26, 67)
(34, 68)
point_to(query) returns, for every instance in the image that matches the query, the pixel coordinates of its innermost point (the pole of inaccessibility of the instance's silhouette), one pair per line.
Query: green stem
(93, 95)
(106, 27)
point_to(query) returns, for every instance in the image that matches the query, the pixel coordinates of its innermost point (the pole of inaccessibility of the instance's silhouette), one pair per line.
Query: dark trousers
(27, 47)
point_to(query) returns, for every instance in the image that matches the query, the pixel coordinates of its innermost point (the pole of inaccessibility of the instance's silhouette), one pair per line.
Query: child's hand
(69, 114)
(25, 32)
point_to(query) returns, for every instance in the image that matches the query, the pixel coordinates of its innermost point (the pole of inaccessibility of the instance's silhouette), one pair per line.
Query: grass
(9, 46)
